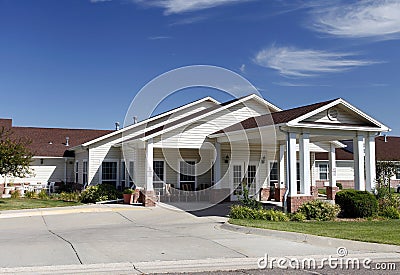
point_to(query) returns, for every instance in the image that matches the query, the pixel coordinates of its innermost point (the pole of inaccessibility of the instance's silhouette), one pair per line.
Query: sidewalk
(92, 208)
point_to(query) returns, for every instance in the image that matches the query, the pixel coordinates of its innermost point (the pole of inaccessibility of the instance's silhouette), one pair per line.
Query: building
(213, 148)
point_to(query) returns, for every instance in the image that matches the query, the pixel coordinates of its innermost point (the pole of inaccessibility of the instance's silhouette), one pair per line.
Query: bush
(73, 196)
(249, 202)
(69, 187)
(129, 191)
(338, 184)
(243, 212)
(390, 212)
(30, 194)
(43, 195)
(15, 194)
(357, 204)
(101, 192)
(319, 210)
(298, 217)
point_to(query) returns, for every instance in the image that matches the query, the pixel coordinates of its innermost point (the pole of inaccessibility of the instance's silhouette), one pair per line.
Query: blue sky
(79, 63)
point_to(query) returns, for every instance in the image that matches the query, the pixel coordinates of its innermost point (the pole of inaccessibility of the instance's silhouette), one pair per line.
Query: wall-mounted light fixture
(227, 159)
(263, 159)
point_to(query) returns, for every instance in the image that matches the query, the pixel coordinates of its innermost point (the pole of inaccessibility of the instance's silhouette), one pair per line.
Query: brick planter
(294, 203)
(148, 198)
(265, 194)
(279, 193)
(331, 192)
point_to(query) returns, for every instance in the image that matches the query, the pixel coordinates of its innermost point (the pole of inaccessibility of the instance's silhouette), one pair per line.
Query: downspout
(285, 196)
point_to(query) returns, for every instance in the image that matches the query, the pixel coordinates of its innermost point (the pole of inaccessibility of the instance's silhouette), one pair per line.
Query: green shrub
(319, 210)
(247, 201)
(43, 195)
(357, 204)
(30, 194)
(72, 196)
(15, 194)
(101, 192)
(298, 217)
(244, 212)
(129, 191)
(338, 184)
(390, 212)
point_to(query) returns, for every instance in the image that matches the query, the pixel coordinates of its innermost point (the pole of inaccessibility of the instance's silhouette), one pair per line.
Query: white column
(332, 166)
(282, 166)
(370, 164)
(359, 173)
(291, 164)
(305, 178)
(217, 166)
(313, 170)
(149, 165)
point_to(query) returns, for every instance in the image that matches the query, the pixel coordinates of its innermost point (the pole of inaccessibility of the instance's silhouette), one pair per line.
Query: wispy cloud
(242, 68)
(189, 20)
(293, 84)
(293, 62)
(160, 37)
(369, 18)
(182, 6)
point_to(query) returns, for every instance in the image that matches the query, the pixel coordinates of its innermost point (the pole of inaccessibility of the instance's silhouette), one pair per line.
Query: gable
(339, 115)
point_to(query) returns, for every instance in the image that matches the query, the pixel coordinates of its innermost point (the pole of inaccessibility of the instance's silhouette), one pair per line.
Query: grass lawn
(25, 203)
(387, 231)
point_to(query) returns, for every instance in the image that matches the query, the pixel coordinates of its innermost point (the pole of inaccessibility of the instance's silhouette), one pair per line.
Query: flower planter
(128, 198)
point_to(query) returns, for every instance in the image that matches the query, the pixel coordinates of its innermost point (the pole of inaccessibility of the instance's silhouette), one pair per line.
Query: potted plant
(128, 196)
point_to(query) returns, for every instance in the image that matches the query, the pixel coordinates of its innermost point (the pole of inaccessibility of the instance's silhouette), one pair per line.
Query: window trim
(101, 170)
(76, 170)
(85, 175)
(327, 171)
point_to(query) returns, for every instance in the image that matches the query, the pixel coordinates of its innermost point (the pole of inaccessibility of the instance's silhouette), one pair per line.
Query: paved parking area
(123, 234)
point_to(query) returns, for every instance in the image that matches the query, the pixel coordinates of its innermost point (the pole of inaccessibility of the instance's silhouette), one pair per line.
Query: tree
(385, 170)
(15, 155)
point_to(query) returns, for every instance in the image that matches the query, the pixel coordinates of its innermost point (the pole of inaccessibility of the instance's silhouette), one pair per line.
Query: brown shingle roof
(50, 142)
(385, 151)
(274, 118)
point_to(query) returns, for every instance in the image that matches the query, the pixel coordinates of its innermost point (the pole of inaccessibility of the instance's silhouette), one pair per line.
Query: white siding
(193, 136)
(345, 116)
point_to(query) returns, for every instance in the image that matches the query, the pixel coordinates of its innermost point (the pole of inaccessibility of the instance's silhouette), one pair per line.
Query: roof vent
(385, 136)
(67, 141)
(135, 119)
(50, 142)
(117, 126)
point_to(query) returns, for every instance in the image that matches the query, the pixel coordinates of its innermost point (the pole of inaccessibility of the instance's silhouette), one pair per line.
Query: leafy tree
(15, 156)
(385, 170)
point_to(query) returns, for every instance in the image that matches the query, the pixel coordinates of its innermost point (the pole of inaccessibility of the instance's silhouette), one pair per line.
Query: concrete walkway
(117, 239)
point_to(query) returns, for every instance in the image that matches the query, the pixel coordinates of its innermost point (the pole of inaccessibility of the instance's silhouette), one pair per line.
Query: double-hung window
(109, 172)
(85, 173)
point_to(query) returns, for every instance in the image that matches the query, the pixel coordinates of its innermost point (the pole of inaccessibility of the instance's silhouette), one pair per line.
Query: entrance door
(236, 179)
(241, 178)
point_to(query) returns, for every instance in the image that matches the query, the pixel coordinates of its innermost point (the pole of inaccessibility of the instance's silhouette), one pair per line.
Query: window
(122, 175)
(158, 169)
(237, 174)
(273, 174)
(109, 172)
(131, 174)
(323, 171)
(251, 174)
(187, 175)
(85, 173)
(298, 176)
(76, 172)
(398, 172)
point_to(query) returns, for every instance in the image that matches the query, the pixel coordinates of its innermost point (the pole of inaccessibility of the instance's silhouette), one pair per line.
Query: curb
(313, 239)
